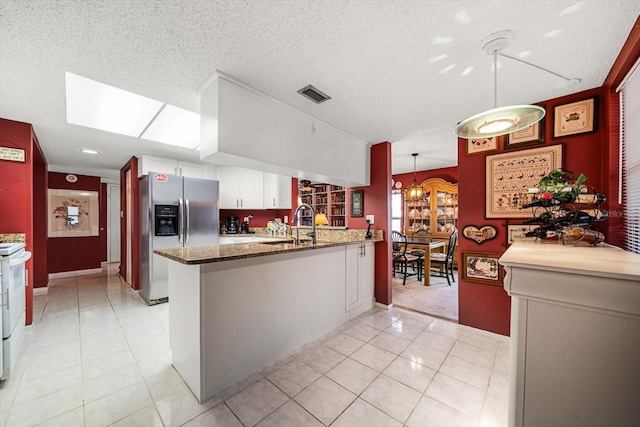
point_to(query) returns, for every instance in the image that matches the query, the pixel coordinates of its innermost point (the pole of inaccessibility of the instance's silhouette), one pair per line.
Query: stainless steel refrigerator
(175, 211)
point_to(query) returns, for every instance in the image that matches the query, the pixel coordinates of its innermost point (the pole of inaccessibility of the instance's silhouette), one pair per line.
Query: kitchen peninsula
(237, 308)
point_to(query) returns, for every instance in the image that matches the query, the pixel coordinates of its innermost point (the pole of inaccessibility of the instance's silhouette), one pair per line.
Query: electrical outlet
(370, 219)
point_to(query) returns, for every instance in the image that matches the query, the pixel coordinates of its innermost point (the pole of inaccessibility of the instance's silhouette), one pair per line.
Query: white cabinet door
(229, 179)
(366, 274)
(270, 191)
(359, 278)
(251, 189)
(277, 191)
(192, 170)
(284, 193)
(352, 259)
(157, 164)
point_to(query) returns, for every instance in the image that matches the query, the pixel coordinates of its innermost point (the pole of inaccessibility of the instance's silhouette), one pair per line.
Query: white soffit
(100, 106)
(175, 126)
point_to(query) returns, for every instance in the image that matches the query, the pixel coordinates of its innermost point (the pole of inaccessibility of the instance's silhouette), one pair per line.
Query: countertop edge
(236, 251)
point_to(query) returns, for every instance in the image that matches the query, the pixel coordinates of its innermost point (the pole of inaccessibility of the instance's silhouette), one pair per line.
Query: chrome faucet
(297, 220)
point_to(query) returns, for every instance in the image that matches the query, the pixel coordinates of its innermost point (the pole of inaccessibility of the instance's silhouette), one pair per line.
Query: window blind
(630, 157)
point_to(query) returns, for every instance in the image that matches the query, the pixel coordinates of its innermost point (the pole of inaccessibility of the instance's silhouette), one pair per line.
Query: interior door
(113, 223)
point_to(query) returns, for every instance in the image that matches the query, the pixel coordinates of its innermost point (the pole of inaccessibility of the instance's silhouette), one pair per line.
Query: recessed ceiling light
(89, 151)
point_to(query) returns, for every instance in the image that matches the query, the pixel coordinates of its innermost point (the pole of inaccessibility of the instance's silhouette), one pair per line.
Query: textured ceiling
(398, 71)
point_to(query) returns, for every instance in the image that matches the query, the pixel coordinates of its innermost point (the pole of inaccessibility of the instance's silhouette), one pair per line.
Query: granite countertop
(234, 251)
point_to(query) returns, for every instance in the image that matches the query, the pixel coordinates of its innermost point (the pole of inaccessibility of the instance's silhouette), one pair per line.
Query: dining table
(428, 247)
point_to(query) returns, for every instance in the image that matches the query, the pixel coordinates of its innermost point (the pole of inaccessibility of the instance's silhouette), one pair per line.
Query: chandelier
(415, 192)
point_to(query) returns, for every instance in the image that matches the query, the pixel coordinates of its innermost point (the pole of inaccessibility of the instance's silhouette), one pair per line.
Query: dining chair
(420, 236)
(446, 259)
(401, 259)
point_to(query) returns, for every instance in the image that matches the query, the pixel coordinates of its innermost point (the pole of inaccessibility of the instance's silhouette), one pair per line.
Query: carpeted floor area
(439, 299)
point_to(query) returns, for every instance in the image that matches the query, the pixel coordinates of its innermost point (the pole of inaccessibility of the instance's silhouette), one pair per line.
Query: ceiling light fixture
(305, 185)
(89, 151)
(415, 192)
(499, 120)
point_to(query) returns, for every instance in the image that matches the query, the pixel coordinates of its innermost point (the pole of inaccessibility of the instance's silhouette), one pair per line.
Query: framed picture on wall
(357, 203)
(482, 267)
(73, 213)
(510, 175)
(518, 232)
(574, 118)
(531, 135)
(484, 145)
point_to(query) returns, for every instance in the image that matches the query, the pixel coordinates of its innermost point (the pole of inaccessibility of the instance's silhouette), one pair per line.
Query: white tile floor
(97, 355)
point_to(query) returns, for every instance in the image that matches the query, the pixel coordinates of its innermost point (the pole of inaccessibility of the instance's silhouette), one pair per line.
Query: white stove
(13, 282)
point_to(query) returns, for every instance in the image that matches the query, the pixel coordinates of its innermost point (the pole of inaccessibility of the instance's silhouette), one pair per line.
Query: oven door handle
(19, 260)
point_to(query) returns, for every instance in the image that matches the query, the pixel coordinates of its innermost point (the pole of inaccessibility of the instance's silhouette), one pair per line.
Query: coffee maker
(232, 224)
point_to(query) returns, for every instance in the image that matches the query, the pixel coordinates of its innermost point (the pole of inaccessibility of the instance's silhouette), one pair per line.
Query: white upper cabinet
(277, 191)
(149, 163)
(240, 188)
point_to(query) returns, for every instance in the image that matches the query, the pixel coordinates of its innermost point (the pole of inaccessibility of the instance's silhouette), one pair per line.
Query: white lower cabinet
(359, 260)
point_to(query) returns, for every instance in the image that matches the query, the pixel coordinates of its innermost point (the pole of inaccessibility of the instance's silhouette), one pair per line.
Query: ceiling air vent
(313, 94)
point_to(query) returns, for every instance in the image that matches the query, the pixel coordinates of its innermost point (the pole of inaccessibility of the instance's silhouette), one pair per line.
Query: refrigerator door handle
(180, 219)
(186, 221)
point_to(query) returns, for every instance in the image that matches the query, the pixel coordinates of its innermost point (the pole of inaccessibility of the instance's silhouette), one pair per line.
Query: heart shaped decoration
(479, 235)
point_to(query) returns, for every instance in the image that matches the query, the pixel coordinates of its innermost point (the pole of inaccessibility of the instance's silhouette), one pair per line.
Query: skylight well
(100, 106)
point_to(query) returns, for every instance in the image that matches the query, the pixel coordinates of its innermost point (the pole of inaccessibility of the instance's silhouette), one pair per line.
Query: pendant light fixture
(415, 192)
(499, 120)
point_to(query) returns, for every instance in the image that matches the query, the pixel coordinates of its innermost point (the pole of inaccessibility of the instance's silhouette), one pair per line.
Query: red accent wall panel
(40, 218)
(74, 253)
(377, 202)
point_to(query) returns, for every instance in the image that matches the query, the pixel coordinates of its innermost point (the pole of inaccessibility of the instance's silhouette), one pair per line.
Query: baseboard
(75, 273)
(40, 291)
(384, 306)
(489, 334)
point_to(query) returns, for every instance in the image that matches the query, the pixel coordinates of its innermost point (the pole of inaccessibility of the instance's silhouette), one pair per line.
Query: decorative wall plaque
(479, 235)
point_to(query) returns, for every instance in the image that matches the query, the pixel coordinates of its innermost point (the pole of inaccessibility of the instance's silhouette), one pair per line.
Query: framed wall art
(13, 154)
(477, 146)
(482, 268)
(510, 175)
(571, 119)
(531, 135)
(73, 213)
(518, 232)
(357, 203)
(479, 234)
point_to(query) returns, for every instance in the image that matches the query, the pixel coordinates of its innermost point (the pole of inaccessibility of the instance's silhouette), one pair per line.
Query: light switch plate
(370, 219)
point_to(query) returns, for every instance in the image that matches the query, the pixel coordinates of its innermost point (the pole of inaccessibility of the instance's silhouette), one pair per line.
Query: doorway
(113, 223)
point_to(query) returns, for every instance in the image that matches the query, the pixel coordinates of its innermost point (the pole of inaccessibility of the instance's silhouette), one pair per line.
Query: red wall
(23, 195)
(485, 306)
(75, 253)
(449, 174)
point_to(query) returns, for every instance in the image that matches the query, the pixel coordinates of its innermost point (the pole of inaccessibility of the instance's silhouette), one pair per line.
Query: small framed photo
(518, 232)
(357, 203)
(531, 135)
(477, 146)
(482, 268)
(574, 118)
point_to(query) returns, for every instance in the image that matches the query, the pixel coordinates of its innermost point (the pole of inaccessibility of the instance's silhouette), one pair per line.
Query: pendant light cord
(568, 79)
(495, 79)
